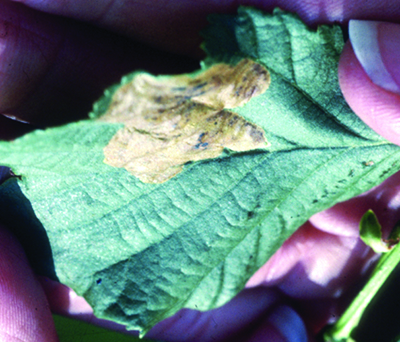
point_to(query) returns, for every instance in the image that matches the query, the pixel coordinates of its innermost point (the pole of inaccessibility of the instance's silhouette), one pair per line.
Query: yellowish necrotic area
(172, 121)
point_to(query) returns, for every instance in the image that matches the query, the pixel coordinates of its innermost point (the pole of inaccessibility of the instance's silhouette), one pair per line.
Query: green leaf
(343, 330)
(72, 330)
(139, 252)
(371, 232)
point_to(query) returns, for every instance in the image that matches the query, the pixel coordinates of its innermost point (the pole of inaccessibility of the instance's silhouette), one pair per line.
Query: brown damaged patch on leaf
(175, 120)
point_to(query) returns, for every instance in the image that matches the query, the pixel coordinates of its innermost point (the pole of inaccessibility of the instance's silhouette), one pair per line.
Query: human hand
(52, 65)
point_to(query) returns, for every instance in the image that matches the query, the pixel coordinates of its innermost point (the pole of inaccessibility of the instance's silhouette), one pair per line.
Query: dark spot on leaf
(178, 88)
(239, 91)
(199, 86)
(250, 215)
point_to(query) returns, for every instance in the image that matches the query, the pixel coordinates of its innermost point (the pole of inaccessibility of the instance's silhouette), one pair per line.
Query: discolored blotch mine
(172, 121)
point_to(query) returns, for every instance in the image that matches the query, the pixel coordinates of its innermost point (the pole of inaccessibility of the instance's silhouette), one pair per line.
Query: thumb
(24, 312)
(369, 75)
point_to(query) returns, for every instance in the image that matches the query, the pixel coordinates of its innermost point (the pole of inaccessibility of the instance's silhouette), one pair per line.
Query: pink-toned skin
(311, 278)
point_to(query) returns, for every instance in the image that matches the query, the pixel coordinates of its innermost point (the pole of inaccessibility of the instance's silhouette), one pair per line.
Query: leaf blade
(194, 240)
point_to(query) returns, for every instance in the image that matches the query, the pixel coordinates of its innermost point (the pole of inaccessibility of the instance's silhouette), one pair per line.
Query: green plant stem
(344, 327)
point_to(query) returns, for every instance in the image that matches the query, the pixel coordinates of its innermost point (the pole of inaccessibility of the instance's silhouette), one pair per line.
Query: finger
(232, 322)
(282, 324)
(52, 69)
(254, 315)
(63, 300)
(369, 74)
(24, 312)
(316, 269)
(309, 263)
(344, 218)
(174, 25)
(234, 318)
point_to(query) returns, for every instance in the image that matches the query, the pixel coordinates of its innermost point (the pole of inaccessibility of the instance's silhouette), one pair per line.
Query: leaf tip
(371, 233)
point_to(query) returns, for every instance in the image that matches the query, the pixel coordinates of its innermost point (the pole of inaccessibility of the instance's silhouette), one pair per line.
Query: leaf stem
(343, 328)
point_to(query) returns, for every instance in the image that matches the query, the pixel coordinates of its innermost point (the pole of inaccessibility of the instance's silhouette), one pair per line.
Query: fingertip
(64, 301)
(376, 106)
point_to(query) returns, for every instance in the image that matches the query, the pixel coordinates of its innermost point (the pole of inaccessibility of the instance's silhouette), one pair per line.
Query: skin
(60, 65)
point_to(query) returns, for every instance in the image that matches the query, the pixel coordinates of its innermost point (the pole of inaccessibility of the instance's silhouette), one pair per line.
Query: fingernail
(377, 46)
